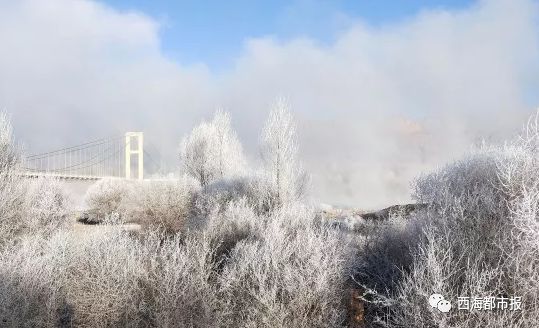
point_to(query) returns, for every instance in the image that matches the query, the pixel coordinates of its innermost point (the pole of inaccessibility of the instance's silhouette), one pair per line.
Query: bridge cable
(75, 148)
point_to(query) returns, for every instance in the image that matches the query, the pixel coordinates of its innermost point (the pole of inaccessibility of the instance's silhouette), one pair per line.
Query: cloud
(455, 77)
(84, 70)
(375, 107)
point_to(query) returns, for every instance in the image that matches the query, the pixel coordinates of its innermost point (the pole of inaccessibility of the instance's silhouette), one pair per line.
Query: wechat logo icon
(439, 302)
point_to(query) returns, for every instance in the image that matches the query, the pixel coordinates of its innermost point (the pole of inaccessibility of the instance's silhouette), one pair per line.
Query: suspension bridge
(118, 156)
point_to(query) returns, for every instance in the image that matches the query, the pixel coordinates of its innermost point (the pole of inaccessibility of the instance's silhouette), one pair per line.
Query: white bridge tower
(130, 150)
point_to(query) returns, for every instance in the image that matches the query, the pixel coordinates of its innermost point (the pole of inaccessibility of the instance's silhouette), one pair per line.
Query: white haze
(374, 107)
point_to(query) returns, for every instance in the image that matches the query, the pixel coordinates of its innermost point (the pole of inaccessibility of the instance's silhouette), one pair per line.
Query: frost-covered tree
(283, 171)
(230, 159)
(11, 186)
(212, 151)
(195, 154)
(8, 154)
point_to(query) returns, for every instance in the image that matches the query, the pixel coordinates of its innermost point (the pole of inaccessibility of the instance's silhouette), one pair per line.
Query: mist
(375, 106)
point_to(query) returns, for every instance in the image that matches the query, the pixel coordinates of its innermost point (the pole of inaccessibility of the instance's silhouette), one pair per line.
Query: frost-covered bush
(240, 270)
(478, 238)
(106, 271)
(466, 200)
(522, 257)
(212, 151)
(116, 280)
(42, 209)
(282, 269)
(387, 253)
(106, 197)
(468, 188)
(236, 215)
(48, 206)
(293, 275)
(37, 206)
(162, 204)
(12, 203)
(33, 283)
(108, 278)
(225, 229)
(455, 247)
(181, 289)
(216, 196)
(253, 190)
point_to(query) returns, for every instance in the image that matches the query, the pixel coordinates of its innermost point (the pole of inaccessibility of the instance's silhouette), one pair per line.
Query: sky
(213, 32)
(381, 90)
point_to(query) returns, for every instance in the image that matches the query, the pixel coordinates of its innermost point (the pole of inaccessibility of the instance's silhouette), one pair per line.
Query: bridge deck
(64, 176)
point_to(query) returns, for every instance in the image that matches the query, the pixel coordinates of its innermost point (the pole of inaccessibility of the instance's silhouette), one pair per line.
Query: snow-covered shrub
(522, 257)
(43, 208)
(155, 280)
(106, 197)
(105, 271)
(12, 208)
(108, 278)
(454, 247)
(212, 151)
(285, 179)
(181, 289)
(519, 179)
(255, 190)
(240, 270)
(32, 283)
(441, 267)
(215, 196)
(387, 254)
(281, 270)
(468, 188)
(467, 201)
(478, 238)
(225, 229)
(37, 206)
(292, 275)
(237, 214)
(47, 205)
(161, 204)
